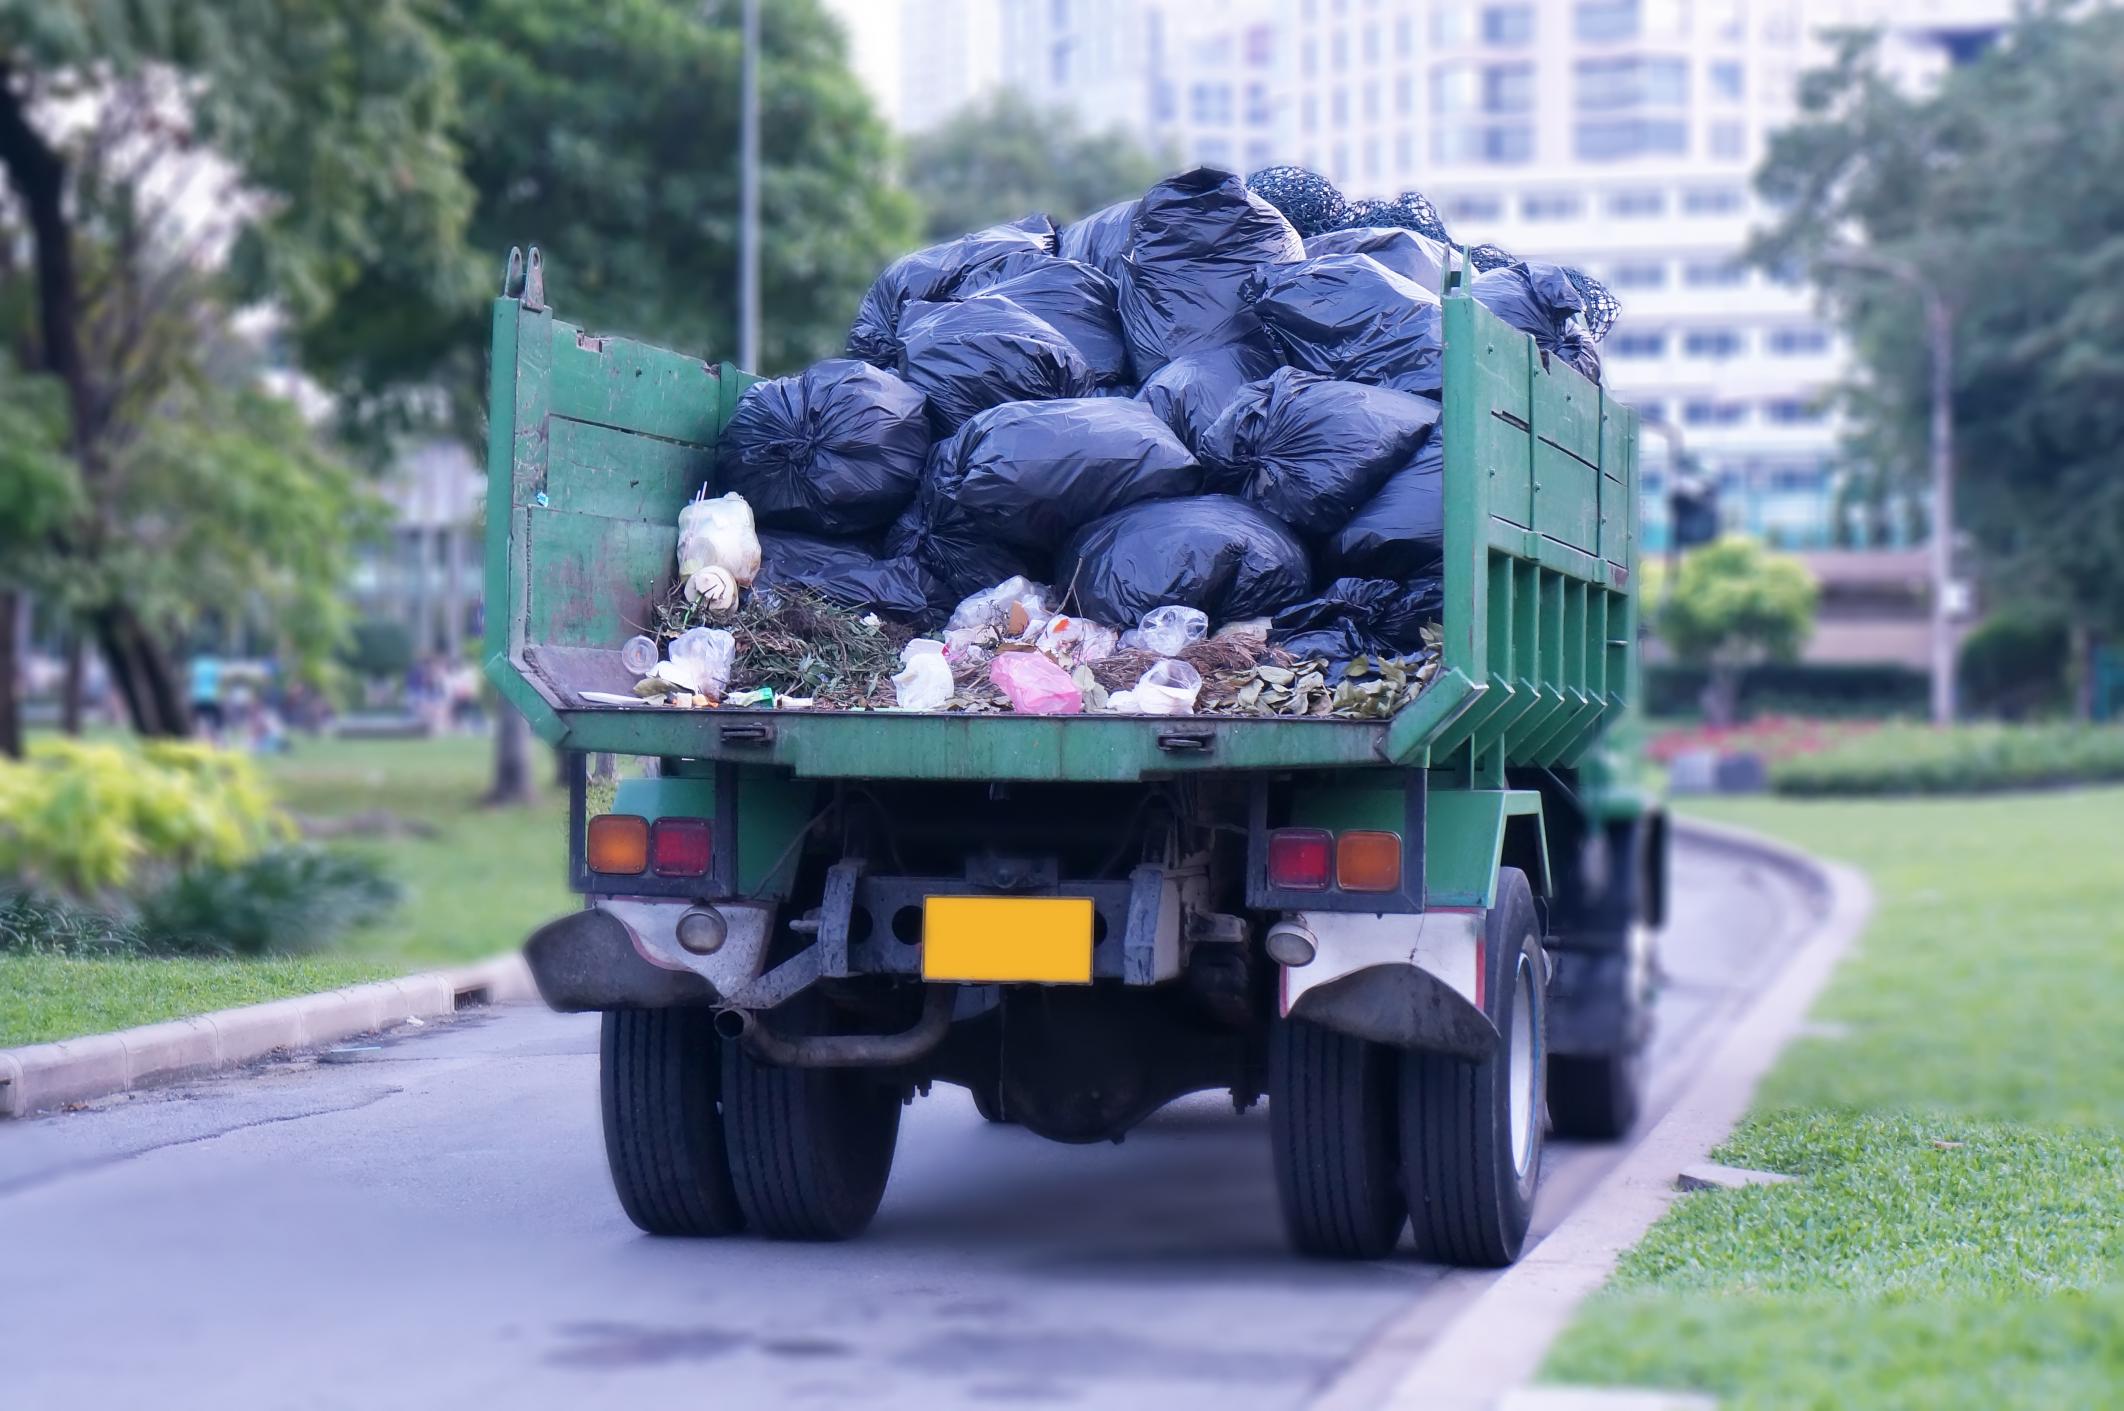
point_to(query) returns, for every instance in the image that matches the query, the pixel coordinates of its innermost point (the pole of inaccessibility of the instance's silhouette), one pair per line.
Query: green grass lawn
(476, 881)
(1957, 1239)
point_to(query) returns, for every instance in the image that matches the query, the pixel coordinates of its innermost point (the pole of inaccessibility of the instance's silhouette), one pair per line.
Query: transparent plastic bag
(699, 659)
(719, 533)
(993, 607)
(1168, 688)
(924, 679)
(1169, 630)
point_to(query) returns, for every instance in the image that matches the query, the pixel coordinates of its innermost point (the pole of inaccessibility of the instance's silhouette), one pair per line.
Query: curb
(41, 1077)
(1483, 1355)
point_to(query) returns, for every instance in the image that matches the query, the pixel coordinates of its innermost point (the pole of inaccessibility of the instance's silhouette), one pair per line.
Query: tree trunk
(1721, 697)
(2081, 644)
(71, 684)
(512, 757)
(142, 672)
(38, 174)
(10, 678)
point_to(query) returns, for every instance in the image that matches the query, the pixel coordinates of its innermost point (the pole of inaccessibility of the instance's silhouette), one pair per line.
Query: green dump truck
(1418, 937)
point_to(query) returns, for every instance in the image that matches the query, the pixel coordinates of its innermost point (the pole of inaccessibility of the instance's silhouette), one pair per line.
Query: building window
(1713, 201)
(1550, 205)
(1339, 50)
(1405, 94)
(1638, 203)
(1058, 64)
(1709, 413)
(1713, 274)
(1259, 110)
(1639, 274)
(1637, 345)
(1371, 102)
(1599, 20)
(1211, 103)
(1309, 113)
(1798, 342)
(1508, 88)
(1452, 23)
(1308, 58)
(1339, 107)
(1371, 156)
(1498, 144)
(1404, 36)
(1405, 151)
(1371, 44)
(1476, 208)
(1339, 169)
(1259, 154)
(1213, 152)
(1729, 141)
(1794, 411)
(1712, 343)
(1607, 84)
(1261, 45)
(1507, 24)
(1728, 80)
(1613, 139)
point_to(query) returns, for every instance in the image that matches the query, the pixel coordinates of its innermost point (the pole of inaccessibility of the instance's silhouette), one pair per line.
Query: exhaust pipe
(842, 1050)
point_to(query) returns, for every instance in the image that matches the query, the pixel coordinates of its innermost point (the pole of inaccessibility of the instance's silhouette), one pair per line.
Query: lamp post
(1939, 328)
(749, 193)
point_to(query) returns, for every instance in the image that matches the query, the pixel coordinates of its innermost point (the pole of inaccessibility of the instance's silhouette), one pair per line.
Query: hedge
(1967, 759)
(1832, 690)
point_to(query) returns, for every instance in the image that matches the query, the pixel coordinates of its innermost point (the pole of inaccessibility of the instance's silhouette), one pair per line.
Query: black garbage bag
(1354, 617)
(1191, 392)
(969, 357)
(846, 572)
(1580, 351)
(1350, 317)
(1400, 532)
(1535, 298)
(1196, 241)
(1212, 552)
(1079, 301)
(1101, 238)
(963, 559)
(1028, 474)
(933, 274)
(1415, 257)
(1308, 200)
(837, 449)
(1311, 450)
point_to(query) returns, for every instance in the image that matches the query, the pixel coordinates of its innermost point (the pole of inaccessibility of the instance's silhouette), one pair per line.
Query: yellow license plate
(989, 939)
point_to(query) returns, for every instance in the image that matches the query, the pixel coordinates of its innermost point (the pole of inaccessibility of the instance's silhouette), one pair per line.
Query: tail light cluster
(1355, 860)
(625, 844)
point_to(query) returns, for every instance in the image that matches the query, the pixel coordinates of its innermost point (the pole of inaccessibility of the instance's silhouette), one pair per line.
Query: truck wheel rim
(1519, 1050)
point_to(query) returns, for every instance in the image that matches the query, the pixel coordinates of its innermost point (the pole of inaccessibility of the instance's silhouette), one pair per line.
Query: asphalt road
(430, 1224)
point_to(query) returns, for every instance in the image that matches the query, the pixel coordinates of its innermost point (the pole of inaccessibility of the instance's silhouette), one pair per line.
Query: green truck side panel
(771, 814)
(597, 441)
(1464, 830)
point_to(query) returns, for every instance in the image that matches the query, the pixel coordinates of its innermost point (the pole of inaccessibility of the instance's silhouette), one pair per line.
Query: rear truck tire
(810, 1148)
(988, 1101)
(1595, 1098)
(1332, 1130)
(1471, 1130)
(660, 1079)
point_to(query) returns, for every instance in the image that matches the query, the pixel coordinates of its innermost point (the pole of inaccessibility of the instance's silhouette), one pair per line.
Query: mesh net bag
(1601, 304)
(1308, 200)
(1413, 211)
(1488, 257)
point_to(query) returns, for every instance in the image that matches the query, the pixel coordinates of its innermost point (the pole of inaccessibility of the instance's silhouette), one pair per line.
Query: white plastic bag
(924, 679)
(699, 660)
(1169, 630)
(991, 607)
(718, 533)
(1168, 688)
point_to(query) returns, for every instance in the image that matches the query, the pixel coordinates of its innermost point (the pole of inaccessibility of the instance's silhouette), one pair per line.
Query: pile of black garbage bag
(1223, 395)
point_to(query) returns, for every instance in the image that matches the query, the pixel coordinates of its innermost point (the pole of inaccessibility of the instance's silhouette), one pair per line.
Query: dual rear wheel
(1367, 1138)
(704, 1139)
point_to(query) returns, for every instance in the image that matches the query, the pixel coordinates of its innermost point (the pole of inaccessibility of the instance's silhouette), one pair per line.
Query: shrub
(283, 901)
(1919, 759)
(30, 923)
(86, 819)
(2015, 664)
(1822, 689)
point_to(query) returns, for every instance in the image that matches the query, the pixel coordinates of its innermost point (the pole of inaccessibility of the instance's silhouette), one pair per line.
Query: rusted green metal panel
(622, 475)
(631, 386)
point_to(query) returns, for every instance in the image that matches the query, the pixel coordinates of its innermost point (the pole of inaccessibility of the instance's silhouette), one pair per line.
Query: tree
(1731, 605)
(2000, 187)
(1000, 159)
(163, 162)
(606, 132)
(38, 493)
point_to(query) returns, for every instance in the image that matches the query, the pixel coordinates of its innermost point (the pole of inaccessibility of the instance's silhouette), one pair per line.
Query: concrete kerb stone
(40, 1077)
(1497, 1343)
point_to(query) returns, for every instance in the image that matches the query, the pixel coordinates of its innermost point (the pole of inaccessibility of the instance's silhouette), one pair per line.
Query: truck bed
(596, 442)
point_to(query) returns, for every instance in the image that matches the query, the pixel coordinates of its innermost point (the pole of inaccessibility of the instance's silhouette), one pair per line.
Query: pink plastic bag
(1035, 685)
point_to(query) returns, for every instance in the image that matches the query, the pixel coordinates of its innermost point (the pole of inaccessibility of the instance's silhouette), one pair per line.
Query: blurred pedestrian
(205, 680)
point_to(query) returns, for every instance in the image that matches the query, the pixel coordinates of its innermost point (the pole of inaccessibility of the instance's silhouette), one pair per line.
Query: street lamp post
(749, 192)
(1939, 328)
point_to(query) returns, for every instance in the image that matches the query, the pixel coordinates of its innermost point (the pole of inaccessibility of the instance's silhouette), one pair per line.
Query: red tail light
(1301, 859)
(680, 847)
